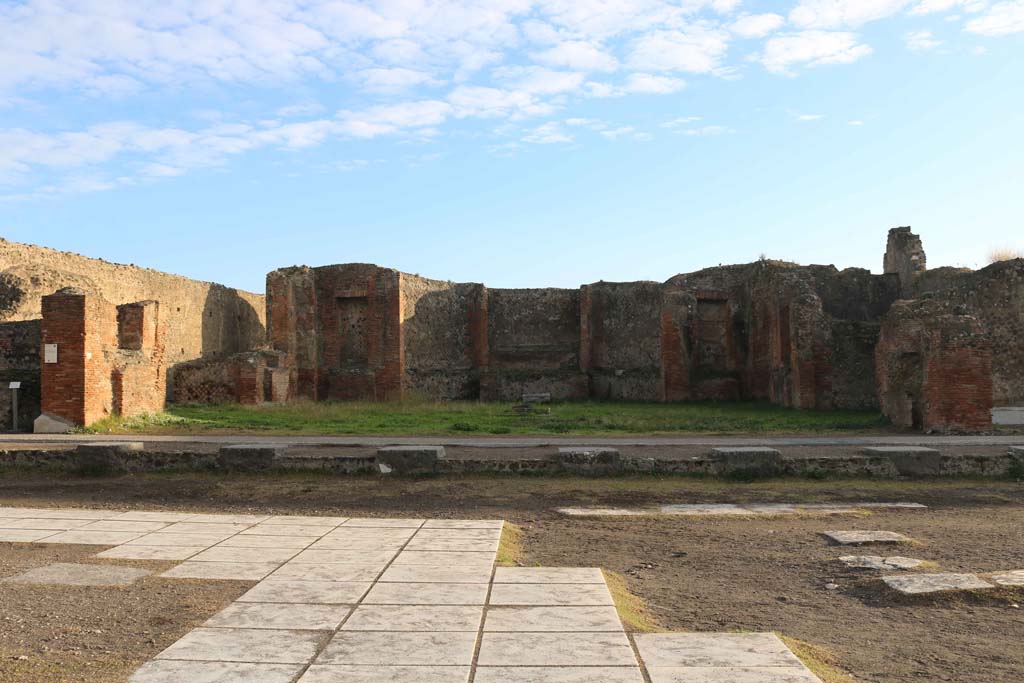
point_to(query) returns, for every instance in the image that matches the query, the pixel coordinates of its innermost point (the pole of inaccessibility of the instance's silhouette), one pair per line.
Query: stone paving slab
(1010, 578)
(226, 554)
(44, 523)
(555, 649)
(26, 535)
(206, 540)
(68, 574)
(207, 528)
(327, 571)
(289, 520)
(384, 522)
(385, 674)
(151, 552)
(94, 537)
(548, 575)
(279, 542)
(170, 671)
(464, 524)
(562, 674)
(143, 516)
(337, 543)
(564, 619)
(922, 584)
(307, 592)
(414, 618)
(579, 594)
(343, 555)
(866, 537)
(235, 571)
(745, 674)
(456, 544)
(300, 617)
(123, 525)
(445, 559)
(427, 594)
(245, 645)
(881, 563)
(286, 530)
(400, 648)
(714, 650)
(229, 519)
(411, 573)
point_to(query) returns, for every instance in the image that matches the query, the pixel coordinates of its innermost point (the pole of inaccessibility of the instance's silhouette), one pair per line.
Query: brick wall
(934, 368)
(249, 378)
(94, 375)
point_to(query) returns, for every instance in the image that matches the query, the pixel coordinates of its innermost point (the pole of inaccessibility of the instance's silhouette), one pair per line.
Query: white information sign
(15, 385)
(49, 353)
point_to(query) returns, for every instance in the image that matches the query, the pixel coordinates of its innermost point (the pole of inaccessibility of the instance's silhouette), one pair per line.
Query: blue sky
(513, 142)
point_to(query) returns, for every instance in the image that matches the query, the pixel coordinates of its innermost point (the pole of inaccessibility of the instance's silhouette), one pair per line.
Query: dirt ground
(696, 573)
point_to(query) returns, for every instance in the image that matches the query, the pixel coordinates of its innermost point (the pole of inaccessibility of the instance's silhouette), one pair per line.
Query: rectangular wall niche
(353, 350)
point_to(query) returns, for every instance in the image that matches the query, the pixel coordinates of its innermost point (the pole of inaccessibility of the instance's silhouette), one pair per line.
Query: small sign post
(14, 405)
(49, 353)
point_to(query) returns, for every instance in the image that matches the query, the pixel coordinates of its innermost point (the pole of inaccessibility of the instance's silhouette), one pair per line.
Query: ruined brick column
(904, 256)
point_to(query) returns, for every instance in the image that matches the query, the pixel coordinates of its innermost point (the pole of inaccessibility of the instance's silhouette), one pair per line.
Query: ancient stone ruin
(932, 349)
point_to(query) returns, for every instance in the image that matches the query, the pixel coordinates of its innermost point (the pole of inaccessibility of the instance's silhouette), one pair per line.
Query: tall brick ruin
(123, 308)
(932, 349)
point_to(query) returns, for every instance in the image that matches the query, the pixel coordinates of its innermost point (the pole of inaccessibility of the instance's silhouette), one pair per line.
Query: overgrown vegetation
(819, 660)
(510, 549)
(1004, 254)
(633, 611)
(470, 417)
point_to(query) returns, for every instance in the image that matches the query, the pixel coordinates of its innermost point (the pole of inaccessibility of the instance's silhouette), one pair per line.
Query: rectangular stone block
(171, 671)
(753, 460)
(400, 649)
(425, 618)
(590, 460)
(555, 649)
(920, 584)
(910, 461)
(1008, 416)
(244, 645)
(714, 650)
(248, 457)
(67, 574)
(864, 537)
(409, 459)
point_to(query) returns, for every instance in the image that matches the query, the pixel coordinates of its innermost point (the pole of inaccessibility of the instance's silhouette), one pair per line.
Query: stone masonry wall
(199, 318)
(444, 337)
(19, 362)
(995, 296)
(934, 368)
(94, 376)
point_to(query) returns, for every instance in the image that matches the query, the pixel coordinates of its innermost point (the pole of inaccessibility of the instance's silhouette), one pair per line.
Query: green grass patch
(482, 419)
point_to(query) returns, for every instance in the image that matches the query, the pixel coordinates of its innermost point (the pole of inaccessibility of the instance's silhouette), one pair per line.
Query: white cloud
(653, 85)
(756, 25)
(839, 13)
(807, 118)
(626, 132)
(811, 48)
(578, 55)
(538, 80)
(932, 6)
(706, 131)
(921, 41)
(1001, 19)
(395, 79)
(855, 122)
(695, 49)
(484, 102)
(547, 134)
(680, 121)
